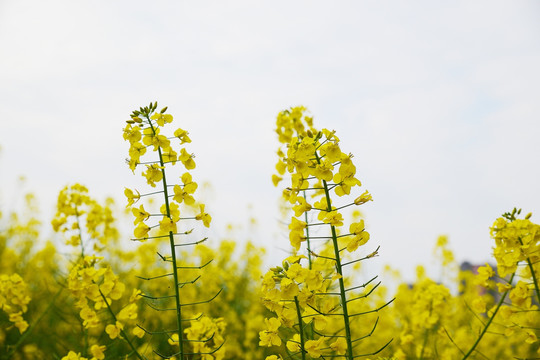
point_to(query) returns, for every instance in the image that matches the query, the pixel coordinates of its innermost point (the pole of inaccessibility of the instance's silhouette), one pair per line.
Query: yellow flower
(167, 225)
(114, 330)
(72, 355)
(162, 119)
(153, 174)
(174, 339)
(479, 305)
(129, 312)
(97, 352)
(339, 346)
(131, 196)
(138, 332)
(294, 344)
(531, 337)
(186, 159)
(141, 231)
(358, 240)
(270, 336)
(314, 347)
(203, 216)
(333, 218)
(520, 295)
(182, 135)
(364, 198)
(140, 214)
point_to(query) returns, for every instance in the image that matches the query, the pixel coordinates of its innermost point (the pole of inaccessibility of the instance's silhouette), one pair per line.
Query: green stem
(339, 270)
(80, 232)
(533, 274)
(489, 321)
(301, 330)
(307, 234)
(173, 253)
(308, 242)
(535, 280)
(426, 334)
(424, 344)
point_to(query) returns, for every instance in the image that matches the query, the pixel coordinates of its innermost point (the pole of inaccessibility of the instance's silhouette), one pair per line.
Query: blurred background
(439, 103)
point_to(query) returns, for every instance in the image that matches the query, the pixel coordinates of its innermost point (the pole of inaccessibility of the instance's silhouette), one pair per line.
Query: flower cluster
(14, 299)
(77, 211)
(313, 301)
(144, 131)
(95, 290)
(517, 252)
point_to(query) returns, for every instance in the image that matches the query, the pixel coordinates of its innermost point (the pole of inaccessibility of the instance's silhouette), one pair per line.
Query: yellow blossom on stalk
(289, 289)
(531, 337)
(136, 150)
(186, 159)
(270, 337)
(162, 119)
(153, 174)
(520, 295)
(183, 194)
(167, 225)
(19, 322)
(182, 135)
(359, 238)
(132, 133)
(484, 274)
(364, 198)
(314, 347)
(169, 155)
(479, 305)
(114, 330)
(141, 231)
(294, 344)
(275, 180)
(503, 287)
(138, 332)
(98, 352)
(14, 299)
(129, 312)
(297, 224)
(131, 196)
(152, 137)
(72, 355)
(333, 218)
(296, 237)
(339, 346)
(174, 210)
(140, 214)
(203, 216)
(174, 339)
(89, 317)
(302, 207)
(135, 296)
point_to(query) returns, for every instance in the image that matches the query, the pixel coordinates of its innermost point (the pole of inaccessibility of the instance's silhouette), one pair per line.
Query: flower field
(163, 291)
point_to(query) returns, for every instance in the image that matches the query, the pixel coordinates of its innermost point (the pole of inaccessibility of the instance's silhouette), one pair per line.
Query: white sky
(439, 102)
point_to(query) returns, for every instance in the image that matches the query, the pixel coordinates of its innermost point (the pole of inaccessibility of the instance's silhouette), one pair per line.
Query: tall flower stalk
(517, 252)
(320, 295)
(178, 210)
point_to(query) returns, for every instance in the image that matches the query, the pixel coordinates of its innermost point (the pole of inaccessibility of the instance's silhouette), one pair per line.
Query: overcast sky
(438, 101)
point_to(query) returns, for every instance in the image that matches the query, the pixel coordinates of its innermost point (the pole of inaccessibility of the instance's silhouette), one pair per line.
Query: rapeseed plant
(143, 132)
(313, 303)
